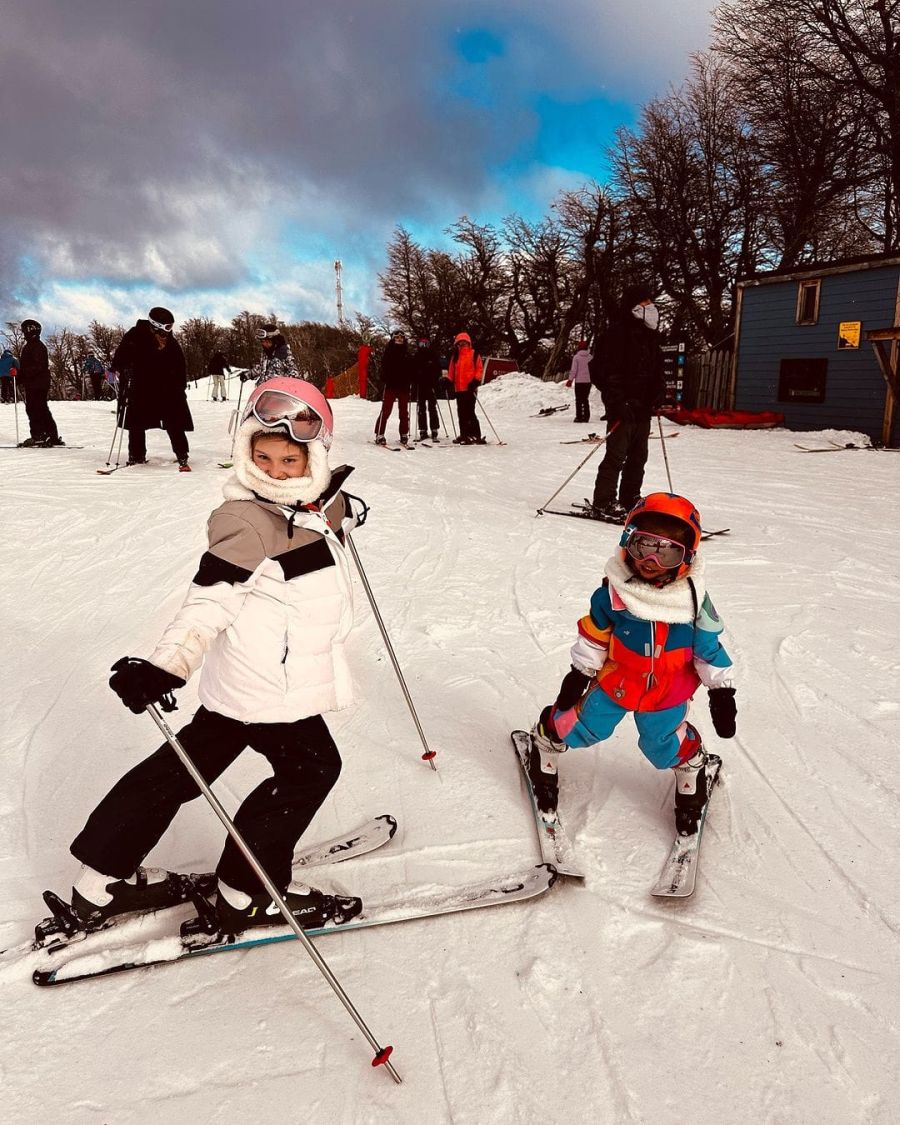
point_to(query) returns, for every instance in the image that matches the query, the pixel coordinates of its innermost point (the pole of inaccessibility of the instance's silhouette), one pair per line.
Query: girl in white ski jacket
(267, 615)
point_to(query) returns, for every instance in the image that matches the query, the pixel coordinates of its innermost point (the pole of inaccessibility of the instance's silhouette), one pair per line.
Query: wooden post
(887, 363)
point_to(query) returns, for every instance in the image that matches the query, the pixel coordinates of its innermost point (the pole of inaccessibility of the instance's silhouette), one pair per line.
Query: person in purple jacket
(580, 375)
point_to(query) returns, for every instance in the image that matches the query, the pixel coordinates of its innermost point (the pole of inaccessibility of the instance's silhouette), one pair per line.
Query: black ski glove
(138, 682)
(473, 386)
(723, 709)
(572, 688)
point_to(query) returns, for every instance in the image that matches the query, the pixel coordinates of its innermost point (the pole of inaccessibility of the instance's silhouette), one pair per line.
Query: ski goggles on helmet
(266, 333)
(158, 326)
(644, 546)
(276, 409)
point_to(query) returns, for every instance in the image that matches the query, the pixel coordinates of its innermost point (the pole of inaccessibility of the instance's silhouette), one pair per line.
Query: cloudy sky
(216, 155)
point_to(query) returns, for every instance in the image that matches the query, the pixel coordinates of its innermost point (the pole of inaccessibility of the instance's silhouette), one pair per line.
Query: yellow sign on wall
(848, 334)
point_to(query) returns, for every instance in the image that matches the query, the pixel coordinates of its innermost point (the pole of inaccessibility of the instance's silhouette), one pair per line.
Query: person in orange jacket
(465, 373)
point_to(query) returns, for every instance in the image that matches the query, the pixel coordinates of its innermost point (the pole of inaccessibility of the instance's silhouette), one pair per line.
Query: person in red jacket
(465, 373)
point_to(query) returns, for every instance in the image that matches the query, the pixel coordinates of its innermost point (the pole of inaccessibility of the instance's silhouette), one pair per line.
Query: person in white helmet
(267, 616)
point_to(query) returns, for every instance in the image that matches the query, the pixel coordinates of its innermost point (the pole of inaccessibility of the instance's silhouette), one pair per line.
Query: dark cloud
(165, 143)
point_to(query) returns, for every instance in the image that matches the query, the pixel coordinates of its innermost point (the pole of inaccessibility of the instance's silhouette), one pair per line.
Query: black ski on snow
(596, 439)
(60, 930)
(586, 509)
(413, 903)
(556, 847)
(679, 873)
(548, 410)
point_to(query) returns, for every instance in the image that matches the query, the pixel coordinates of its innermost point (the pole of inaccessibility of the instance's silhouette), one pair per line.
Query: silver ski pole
(236, 419)
(441, 416)
(489, 422)
(665, 454)
(613, 427)
(429, 754)
(16, 406)
(382, 1054)
(121, 402)
(450, 412)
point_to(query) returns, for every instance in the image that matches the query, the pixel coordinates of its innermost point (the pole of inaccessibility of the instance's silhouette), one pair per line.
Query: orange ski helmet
(674, 507)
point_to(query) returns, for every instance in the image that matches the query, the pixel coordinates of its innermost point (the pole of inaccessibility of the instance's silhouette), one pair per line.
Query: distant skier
(153, 386)
(580, 377)
(34, 380)
(276, 360)
(426, 372)
(216, 368)
(94, 369)
(465, 374)
(650, 640)
(396, 377)
(267, 615)
(628, 365)
(9, 369)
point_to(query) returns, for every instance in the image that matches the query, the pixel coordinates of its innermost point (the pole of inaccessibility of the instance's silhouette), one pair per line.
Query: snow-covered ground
(770, 997)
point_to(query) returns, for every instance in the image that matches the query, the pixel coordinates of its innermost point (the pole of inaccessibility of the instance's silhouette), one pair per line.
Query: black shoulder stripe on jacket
(305, 560)
(213, 569)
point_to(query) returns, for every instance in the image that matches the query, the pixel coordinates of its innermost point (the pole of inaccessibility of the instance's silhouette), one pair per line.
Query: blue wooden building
(801, 347)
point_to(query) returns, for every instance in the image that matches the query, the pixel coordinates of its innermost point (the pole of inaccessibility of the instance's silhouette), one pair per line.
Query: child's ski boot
(542, 762)
(691, 792)
(311, 909)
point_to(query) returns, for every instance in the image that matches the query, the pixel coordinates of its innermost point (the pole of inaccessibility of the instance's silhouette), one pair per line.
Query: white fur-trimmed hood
(249, 480)
(672, 604)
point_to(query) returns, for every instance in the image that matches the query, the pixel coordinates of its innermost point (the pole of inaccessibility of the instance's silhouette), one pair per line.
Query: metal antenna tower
(339, 292)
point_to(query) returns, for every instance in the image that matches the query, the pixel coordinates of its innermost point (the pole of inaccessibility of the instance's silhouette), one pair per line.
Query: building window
(802, 380)
(808, 302)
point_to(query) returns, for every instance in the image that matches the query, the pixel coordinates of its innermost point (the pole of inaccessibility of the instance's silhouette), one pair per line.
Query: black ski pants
(132, 817)
(6, 388)
(468, 420)
(626, 456)
(426, 401)
(40, 420)
(137, 444)
(582, 402)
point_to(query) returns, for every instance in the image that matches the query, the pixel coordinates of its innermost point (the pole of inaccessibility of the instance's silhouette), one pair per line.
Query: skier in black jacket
(396, 375)
(34, 380)
(629, 363)
(426, 371)
(154, 381)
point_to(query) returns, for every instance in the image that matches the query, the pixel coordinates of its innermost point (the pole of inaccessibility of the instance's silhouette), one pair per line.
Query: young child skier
(650, 640)
(267, 615)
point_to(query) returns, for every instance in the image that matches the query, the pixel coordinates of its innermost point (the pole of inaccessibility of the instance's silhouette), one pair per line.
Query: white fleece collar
(672, 604)
(248, 479)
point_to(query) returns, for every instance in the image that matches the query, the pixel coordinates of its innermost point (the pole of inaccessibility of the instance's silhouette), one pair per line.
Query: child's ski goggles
(158, 325)
(275, 408)
(266, 333)
(643, 546)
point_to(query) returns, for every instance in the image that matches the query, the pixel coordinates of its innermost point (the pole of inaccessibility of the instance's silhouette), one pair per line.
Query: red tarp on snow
(725, 419)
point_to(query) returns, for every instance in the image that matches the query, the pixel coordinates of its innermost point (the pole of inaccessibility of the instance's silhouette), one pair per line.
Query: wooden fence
(707, 380)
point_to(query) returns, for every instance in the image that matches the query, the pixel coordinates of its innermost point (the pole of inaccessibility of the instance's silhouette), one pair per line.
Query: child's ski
(382, 445)
(556, 847)
(596, 439)
(679, 874)
(51, 933)
(414, 903)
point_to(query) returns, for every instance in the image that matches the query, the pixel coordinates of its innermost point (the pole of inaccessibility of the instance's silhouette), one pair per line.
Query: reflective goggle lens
(274, 407)
(643, 545)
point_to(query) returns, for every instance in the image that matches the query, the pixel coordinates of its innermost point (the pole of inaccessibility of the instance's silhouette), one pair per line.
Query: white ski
(679, 874)
(409, 905)
(553, 840)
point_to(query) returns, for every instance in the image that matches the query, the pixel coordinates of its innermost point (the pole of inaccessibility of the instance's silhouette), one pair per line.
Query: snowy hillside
(769, 997)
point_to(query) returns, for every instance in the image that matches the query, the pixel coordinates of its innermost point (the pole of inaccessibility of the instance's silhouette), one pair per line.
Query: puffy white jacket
(269, 610)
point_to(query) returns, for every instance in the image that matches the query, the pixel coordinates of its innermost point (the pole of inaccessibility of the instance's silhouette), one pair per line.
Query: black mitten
(723, 709)
(572, 688)
(138, 682)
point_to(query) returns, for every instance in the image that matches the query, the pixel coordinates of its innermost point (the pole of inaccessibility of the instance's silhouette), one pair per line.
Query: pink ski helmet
(293, 405)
